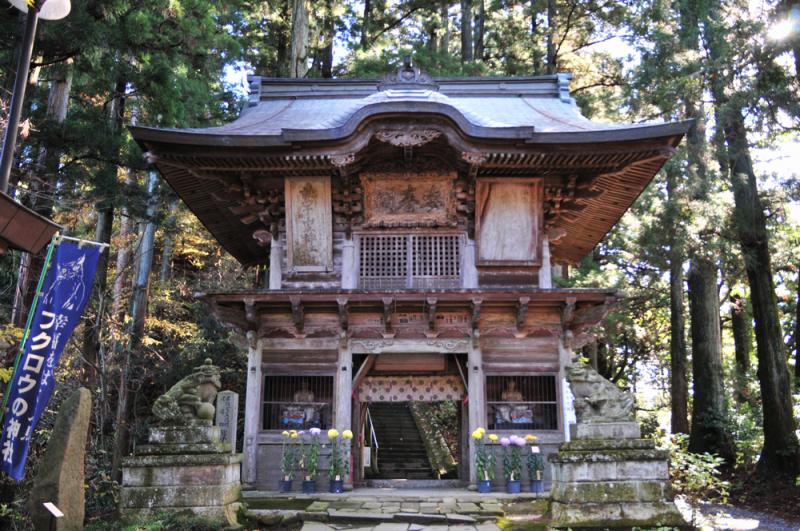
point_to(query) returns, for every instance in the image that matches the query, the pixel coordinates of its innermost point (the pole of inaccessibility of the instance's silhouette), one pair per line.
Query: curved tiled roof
(285, 110)
(514, 126)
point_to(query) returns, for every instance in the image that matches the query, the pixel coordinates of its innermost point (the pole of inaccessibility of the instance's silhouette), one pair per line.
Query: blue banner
(65, 291)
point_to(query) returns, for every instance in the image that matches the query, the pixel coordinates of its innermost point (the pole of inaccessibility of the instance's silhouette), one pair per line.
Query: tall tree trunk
(679, 384)
(30, 267)
(797, 333)
(480, 22)
(536, 55)
(169, 242)
(466, 31)
(366, 20)
(299, 48)
(138, 314)
(105, 221)
(283, 58)
(91, 334)
(126, 227)
(781, 452)
(709, 431)
(552, 29)
(329, 34)
(740, 326)
(444, 20)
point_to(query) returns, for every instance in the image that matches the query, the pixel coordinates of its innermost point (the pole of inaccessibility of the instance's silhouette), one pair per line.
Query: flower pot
(537, 485)
(337, 486)
(284, 485)
(484, 486)
(513, 486)
(309, 486)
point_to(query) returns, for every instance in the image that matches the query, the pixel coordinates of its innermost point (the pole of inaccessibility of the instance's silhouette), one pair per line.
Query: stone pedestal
(182, 468)
(609, 476)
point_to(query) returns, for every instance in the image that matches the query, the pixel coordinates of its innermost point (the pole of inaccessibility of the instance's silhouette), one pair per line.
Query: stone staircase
(401, 453)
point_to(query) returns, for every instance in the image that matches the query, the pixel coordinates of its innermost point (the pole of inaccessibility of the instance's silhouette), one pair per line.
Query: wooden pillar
(567, 400)
(344, 389)
(252, 409)
(469, 273)
(349, 265)
(477, 396)
(344, 395)
(545, 272)
(275, 259)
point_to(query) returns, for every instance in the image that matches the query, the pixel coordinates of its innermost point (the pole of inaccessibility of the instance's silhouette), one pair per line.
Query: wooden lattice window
(522, 402)
(413, 261)
(297, 402)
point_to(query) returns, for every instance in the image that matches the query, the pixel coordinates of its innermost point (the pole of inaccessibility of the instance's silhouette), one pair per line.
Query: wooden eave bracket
(522, 313)
(430, 312)
(475, 159)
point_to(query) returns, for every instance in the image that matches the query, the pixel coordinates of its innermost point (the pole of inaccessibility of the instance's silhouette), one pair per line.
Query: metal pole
(18, 97)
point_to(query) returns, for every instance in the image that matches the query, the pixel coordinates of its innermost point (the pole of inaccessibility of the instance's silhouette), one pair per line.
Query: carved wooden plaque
(394, 200)
(509, 221)
(309, 227)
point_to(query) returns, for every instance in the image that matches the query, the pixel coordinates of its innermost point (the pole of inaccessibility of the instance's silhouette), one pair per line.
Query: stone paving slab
(391, 527)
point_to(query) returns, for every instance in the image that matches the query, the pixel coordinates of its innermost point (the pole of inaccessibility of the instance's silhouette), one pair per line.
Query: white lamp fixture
(49, 10)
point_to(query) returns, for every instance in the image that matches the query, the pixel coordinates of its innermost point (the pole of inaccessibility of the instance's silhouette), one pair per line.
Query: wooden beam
(363, 371)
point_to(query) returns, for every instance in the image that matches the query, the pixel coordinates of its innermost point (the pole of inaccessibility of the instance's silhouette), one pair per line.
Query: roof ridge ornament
(408, 76)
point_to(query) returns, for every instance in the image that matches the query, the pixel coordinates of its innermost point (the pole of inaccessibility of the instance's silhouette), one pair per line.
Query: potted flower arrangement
(484, 460)
(340, 462)
(535, 466)
(311, 461)
(512, 462)
(288, 460)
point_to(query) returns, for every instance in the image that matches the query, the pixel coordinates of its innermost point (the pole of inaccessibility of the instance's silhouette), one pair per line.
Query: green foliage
(696, 476)
(291, 454)
(535, 462)
(311, 456)
(512, 462)
(485, 459)
(339, 465)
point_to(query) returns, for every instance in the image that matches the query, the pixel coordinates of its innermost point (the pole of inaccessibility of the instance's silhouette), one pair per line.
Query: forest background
(709, 256)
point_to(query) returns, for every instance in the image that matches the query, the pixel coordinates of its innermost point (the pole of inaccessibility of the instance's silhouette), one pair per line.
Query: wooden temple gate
(408, 216)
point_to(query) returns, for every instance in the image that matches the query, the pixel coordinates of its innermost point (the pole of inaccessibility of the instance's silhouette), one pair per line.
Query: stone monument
(608, 473)
(227, 415)
(61, 473)
(185, 466)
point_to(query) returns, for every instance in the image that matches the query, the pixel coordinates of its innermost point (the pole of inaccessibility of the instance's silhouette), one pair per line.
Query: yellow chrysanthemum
(333, 433)
(347, 434)
(477, 435)
(493, 437)
(531, 438)
(285, 433)
(294, 435)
